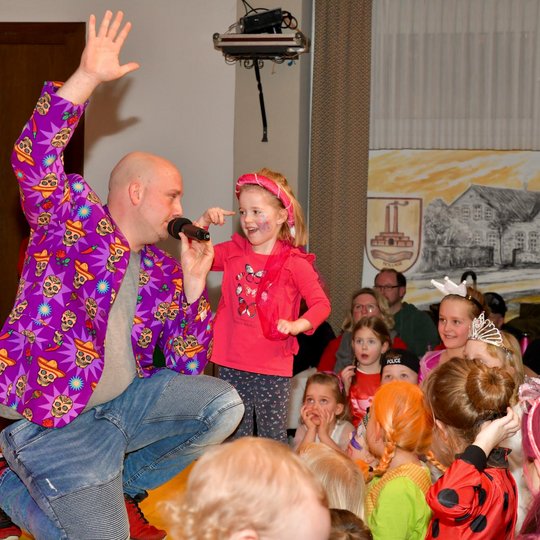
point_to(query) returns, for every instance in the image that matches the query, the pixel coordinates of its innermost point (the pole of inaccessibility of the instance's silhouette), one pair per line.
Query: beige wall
(187, 104)
(179, 104)
(286, 92)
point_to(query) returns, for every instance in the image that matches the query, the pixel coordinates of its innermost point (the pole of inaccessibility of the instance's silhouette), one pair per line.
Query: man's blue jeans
(77, 474)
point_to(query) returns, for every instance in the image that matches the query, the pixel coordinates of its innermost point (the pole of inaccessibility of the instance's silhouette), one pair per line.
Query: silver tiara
(483, 329)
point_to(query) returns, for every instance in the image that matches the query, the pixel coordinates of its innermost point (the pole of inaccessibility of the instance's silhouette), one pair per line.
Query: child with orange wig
(398, 431)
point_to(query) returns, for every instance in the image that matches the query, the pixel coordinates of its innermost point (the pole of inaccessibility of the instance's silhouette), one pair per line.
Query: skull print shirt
(52, 344)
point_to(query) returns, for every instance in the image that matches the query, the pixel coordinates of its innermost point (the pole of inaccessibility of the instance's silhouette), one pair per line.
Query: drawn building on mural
(484, 227)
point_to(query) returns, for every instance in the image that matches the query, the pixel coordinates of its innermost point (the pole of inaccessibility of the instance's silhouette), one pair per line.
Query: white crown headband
(483, 329)
(449, 287)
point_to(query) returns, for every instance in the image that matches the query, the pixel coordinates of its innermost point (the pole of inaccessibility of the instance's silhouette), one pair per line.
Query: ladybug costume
(476, 498)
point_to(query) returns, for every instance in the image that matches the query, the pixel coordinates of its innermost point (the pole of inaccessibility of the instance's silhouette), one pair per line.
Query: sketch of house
(485, 226)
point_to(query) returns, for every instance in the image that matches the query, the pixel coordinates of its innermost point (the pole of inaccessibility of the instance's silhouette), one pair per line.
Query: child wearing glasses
(266, 273)
(324, 412)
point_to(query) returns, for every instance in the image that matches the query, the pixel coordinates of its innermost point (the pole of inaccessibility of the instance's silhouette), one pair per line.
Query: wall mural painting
(433, 213)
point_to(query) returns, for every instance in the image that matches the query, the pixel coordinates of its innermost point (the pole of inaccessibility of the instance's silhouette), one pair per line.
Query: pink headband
(272, 187)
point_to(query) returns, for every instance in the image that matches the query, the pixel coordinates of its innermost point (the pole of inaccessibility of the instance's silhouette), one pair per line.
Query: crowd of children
(405, 448)
(389, 446)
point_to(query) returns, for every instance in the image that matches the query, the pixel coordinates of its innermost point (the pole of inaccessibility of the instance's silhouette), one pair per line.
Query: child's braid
(386, 458)
(430, 456)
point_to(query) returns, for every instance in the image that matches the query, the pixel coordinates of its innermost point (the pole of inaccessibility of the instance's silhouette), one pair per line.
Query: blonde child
(242, 490)
(476, 496)
(458, 308)
(399, 429)
(341, 479)
(495, 348)
(370, 339)
(265, 276)
(324, 412)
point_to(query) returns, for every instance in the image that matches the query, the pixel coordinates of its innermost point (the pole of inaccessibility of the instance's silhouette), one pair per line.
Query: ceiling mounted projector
(260, 37)
(261, 46)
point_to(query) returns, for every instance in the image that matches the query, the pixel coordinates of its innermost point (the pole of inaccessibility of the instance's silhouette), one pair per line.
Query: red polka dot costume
(475, 498)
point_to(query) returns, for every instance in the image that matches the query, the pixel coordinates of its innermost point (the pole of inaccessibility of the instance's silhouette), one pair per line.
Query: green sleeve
(401, 513)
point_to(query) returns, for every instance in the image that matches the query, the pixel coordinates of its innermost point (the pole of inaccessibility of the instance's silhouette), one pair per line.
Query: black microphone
(182, 224)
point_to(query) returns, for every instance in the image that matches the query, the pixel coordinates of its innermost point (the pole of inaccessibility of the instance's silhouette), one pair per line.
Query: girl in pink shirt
(458, 308)
(266, 274)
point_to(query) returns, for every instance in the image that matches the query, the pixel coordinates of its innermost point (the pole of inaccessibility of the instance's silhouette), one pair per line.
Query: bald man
(96, 424)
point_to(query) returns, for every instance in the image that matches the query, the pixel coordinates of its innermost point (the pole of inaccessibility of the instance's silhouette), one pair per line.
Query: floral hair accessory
(483, 329)
(449, 287)
(274, 188)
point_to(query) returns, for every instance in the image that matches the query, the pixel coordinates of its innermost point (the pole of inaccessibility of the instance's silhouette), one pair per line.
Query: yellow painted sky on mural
(435, 174)
(447, 174)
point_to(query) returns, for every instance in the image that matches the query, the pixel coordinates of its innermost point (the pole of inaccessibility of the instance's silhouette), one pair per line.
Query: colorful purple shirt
(52, 344)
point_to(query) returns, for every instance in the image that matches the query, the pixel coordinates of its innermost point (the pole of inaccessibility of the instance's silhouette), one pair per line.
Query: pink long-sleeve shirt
(239, 342)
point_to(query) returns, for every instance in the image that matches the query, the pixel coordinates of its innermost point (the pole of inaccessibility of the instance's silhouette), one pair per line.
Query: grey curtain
(340, 146)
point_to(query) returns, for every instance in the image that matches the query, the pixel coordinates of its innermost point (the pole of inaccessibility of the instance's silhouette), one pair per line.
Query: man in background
(413, 326)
